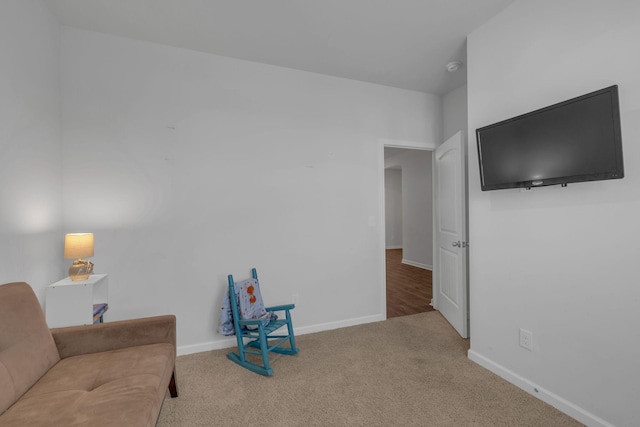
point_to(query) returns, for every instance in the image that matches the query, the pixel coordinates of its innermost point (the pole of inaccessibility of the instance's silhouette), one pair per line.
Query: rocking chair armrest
(281, 307)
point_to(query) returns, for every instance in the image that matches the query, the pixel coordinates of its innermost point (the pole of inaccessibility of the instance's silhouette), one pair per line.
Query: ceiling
(399, 43)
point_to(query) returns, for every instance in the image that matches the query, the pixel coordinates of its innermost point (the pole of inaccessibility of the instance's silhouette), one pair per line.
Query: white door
(450, 288)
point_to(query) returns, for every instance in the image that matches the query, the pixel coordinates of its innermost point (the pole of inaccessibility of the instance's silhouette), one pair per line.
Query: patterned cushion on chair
(250, 303)
(250, 299)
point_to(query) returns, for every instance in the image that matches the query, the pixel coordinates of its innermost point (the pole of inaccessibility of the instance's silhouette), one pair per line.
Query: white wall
(454, 112)
(30, 146)
(417, 207)
(393, 208)
(191, 166)
(560, 262)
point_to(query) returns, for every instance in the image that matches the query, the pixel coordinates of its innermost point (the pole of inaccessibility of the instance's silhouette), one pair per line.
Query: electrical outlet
(526, 339)
(294, 298)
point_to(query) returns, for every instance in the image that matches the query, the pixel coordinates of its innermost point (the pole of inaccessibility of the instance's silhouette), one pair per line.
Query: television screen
(572, 141)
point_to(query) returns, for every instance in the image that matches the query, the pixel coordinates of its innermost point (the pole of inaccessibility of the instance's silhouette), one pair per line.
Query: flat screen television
(573, 141)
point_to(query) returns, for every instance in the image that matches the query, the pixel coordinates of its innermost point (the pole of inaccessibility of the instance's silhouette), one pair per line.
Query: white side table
(70, 303)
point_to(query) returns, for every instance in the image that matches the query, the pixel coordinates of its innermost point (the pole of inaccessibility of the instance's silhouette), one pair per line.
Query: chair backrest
(27, 349)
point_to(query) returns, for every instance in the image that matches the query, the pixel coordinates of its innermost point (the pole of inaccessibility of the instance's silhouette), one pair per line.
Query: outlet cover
(526, 339)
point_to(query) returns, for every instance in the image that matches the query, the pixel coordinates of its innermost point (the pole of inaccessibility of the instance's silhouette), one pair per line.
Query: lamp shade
(78, 245)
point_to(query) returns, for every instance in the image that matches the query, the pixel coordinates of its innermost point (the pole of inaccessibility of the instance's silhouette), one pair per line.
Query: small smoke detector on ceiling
(453, 66)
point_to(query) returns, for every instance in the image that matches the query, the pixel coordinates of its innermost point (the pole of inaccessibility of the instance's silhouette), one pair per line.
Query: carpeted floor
(405, 371)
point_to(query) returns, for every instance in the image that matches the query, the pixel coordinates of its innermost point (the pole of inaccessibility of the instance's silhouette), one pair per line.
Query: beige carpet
(405, 371)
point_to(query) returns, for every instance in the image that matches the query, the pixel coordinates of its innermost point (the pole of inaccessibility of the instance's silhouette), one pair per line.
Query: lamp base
(80, 270)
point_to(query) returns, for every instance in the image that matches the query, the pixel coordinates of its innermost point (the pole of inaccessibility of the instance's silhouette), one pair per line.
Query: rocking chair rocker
(256, 323)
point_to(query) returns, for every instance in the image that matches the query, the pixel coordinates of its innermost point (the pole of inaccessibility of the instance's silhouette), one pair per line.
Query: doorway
(408, 230)
(450, 219)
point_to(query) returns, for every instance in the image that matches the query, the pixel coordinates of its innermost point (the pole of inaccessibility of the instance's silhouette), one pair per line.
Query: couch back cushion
(27, 349)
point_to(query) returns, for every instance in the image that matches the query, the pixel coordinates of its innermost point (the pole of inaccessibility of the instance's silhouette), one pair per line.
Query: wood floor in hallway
(409, 288)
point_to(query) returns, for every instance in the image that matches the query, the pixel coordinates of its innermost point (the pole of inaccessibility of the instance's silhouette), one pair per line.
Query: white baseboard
(394, 247)
(546, 396)
(339, 324)
(229, 342)
(417, 264)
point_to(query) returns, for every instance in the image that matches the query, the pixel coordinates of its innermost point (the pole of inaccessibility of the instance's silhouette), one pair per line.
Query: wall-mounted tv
(572, 141)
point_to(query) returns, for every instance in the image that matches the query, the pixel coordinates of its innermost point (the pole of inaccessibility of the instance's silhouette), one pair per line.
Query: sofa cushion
(122, 387)
(27, 349)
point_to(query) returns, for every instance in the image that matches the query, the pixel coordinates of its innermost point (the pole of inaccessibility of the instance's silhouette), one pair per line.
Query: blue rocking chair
(256, 323)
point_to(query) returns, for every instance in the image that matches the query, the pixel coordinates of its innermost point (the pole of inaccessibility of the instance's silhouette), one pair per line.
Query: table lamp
(78, 245)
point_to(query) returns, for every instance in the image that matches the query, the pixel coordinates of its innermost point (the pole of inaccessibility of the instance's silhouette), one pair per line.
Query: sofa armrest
(75, 340)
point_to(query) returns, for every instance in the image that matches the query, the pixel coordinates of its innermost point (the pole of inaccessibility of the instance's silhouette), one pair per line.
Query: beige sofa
(110, 374)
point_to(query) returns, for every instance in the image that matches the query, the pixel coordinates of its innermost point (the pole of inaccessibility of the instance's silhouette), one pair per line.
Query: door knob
(458, 244)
